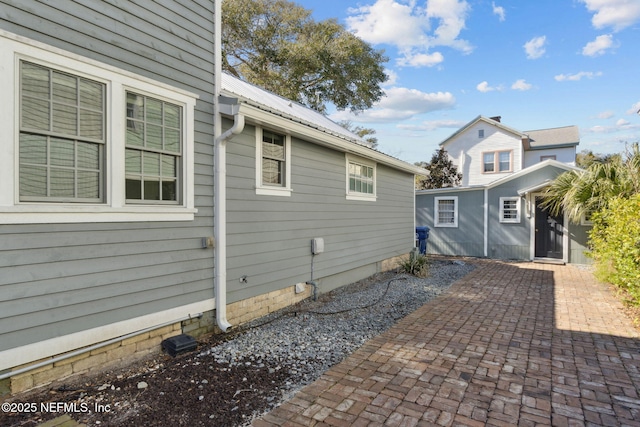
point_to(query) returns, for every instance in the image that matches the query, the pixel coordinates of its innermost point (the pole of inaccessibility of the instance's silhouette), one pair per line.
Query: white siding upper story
(469, 149)
(485, 150)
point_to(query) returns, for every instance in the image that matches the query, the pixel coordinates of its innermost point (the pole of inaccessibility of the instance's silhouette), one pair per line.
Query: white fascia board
(316, 135)
(449, 190)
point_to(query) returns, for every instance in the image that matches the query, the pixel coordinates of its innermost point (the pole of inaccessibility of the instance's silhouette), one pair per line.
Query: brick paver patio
(509, 344)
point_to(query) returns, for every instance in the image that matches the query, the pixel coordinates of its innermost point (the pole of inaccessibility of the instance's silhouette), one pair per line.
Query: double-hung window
(273, 163)
(153, 149)
(83, 141)
(496, 161)
(446, 211)
(510, 209)
(62, 138)
(361, 179)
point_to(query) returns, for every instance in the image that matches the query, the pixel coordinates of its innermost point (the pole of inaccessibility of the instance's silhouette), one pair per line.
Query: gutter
(228, 105)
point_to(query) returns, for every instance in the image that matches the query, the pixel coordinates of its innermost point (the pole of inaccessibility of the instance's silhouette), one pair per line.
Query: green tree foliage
(609, 190)
(276, 44)
(615, 239)
(362, 132)
(442, 172)
(581, 192)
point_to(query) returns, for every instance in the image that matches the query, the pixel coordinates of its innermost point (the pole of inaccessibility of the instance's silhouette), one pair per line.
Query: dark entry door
(549, 233)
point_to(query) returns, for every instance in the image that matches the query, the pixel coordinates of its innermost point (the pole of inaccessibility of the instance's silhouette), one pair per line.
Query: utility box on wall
(317, 245)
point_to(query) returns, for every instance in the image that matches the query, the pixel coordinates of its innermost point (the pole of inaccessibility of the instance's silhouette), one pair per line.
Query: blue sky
(538, 64)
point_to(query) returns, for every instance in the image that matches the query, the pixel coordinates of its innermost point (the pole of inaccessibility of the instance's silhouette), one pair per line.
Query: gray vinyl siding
(513, 240)
(269, 236)
(467, 238)
(507, 240)
(578, 246)
(56, 279)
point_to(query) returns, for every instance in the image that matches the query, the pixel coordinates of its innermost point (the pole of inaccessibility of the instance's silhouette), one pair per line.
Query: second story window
(496, 161)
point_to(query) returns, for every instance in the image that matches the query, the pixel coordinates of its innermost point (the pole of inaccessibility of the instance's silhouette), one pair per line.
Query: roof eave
(259, 115)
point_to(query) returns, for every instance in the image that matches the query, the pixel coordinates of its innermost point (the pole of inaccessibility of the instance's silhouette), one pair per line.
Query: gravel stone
(309, 338)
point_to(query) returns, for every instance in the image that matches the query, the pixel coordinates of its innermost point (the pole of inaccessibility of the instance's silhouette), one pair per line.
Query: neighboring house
(120, 227)
(485, 150)
(496, 212)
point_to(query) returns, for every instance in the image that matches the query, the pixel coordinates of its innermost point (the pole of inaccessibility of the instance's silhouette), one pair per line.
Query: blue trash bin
(422, 234)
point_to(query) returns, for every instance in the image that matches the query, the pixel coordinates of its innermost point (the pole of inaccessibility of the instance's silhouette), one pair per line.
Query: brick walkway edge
(509, 344)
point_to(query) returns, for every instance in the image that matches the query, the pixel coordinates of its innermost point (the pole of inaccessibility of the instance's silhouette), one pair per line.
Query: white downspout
(220, 175)
(486, 223)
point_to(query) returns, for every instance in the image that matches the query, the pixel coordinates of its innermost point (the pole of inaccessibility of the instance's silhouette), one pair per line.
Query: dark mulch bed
(180, 391)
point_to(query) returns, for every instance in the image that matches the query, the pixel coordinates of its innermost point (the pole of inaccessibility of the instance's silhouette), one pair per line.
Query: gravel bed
(306, 340)
(233, 378)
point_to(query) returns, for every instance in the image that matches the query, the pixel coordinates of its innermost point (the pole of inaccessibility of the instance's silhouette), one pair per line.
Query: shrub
(615, 242)
(417, 265)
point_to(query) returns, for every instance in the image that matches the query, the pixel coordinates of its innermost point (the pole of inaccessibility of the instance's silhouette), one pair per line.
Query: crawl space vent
(179, 344)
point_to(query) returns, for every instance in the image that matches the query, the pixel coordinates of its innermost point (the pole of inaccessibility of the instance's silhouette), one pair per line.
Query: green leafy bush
(615, 242)
(417, 265)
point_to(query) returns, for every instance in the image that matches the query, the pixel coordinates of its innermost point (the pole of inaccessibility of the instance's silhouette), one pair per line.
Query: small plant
(416, 264)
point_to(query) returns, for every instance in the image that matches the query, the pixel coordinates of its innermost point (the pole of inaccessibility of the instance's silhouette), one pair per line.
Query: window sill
(362, 197)
(266, 191)
(27, 214)
(446, 225)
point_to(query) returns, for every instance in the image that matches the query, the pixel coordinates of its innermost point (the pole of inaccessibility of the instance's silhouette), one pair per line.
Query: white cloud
(484, 87)
(392, 78)
(431, 125)
(534, 48)
(635, 108)
(498, 10)
(389, 22)
(414, 30)
(451, 15)
(400, 103)
(620, 126)
(578, 76)
(521, 85)
(617, 14)
(420, 59)
(605, 115)
(598, 46)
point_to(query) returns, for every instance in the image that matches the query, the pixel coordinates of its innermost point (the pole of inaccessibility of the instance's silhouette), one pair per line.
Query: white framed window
(273, 163)
(496, 161)
(510, 209)
(68, 136)
(361, 179)
(446, 211)
(587, 218)
(480, 133)
(549, 157)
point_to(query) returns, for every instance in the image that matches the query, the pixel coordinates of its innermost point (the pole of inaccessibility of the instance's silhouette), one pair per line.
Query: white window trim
(584, 221)
(13, 49)
(515, 220)
(271, 190)
(353, 195)
(436, 211)
(496, 162)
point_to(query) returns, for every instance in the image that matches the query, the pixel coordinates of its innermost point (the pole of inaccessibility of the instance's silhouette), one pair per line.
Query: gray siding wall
(56, 279)
(269, 236)
(578, 244)
(466, 239)
(507, 240)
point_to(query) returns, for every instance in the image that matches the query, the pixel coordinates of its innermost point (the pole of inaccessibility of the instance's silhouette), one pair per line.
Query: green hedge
(615, 242)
